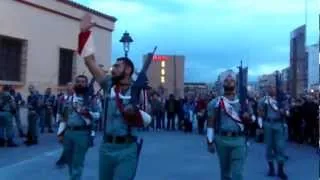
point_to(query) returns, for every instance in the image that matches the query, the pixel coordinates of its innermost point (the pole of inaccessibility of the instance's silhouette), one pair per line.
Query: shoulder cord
(218, 117)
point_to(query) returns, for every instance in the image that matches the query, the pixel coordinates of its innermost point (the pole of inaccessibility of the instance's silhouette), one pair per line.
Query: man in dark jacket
(171, 108)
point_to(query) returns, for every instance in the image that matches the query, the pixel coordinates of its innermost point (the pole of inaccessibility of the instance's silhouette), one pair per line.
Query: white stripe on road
(46, 154)
(52, 153)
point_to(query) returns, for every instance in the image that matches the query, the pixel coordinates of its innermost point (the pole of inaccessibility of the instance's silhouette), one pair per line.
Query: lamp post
(126, 40)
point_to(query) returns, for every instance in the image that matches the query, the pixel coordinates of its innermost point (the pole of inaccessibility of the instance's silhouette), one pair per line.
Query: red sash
(134, 120)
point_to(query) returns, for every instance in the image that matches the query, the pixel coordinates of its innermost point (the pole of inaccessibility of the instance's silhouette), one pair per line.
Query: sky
(213, 35)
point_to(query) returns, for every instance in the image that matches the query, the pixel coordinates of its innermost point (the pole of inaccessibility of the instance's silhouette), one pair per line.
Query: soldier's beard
(80, 90)
(229, 89)
(117, 79)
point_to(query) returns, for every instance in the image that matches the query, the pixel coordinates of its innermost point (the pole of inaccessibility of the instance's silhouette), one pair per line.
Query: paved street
(165, 156)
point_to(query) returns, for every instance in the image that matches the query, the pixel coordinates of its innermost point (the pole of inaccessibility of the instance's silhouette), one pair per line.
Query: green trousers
(48, 118)
(76, 145)
(275, 139)
(118, 161)
(33, 119)
(6, 125)
(232, 153)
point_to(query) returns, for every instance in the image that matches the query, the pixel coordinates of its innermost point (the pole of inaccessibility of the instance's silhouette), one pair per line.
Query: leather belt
(231, 134)
(78, 128)
(119, 139)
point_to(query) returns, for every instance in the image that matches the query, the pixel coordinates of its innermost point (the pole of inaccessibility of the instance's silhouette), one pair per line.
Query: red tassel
(221, 104)
(82, 40)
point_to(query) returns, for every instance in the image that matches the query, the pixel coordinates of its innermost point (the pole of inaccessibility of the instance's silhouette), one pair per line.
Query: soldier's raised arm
(86, 48)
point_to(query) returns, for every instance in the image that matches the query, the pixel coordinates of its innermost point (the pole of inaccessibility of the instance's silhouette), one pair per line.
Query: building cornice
(75, 5)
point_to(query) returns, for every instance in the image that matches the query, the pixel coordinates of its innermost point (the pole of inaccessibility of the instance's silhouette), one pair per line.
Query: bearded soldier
(225, 133)
(77, 116)
(120, 149)
(274, 131)
(62, 124)
(7, 109)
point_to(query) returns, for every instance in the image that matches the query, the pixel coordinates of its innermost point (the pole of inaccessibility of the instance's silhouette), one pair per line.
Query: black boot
(21, 134)
(11, 143)
(35, 140)
(281, 173)
(28, 142)
(2, 142)
(61, 162)
(271, 169)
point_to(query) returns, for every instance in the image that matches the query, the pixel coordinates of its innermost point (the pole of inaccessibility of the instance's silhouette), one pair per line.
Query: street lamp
(126, 40)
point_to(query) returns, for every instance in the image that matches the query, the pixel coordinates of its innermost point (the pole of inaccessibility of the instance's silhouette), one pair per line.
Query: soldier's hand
(130, 109)
(246, 115)
(86, 23)
(211, 148)
(282, 111)
(60, 139)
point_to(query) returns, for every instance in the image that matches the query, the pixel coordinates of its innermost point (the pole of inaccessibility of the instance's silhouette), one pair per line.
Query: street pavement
(165, 156)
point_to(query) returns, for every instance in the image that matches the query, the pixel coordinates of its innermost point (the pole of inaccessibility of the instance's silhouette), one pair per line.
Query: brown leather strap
(118, 100)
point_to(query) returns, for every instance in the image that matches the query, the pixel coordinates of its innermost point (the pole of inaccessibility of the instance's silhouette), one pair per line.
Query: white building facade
(38, 42)
(313, 65)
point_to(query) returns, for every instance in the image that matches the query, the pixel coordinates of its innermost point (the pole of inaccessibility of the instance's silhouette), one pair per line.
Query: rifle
(243, 97)
(90, 87)
(278, 91)
(141, 81)
(7, 99)
(280, 98)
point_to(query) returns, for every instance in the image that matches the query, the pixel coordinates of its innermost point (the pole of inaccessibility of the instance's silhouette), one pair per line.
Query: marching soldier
(7, 109)
(18, 102)
(274, 132)
(77, 115)
(225, 133)
(48, 105)
(62, 125)
(119, 151)
(33, 102)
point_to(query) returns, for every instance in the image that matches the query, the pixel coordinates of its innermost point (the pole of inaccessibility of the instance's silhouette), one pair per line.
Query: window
(162, 79)
(163, 72)
(65, 66)
(163, 64)
(10, 58)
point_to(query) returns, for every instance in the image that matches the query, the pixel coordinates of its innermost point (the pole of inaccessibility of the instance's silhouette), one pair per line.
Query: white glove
(146, 118)
(210, 134)
(62, 127)
(260, 122)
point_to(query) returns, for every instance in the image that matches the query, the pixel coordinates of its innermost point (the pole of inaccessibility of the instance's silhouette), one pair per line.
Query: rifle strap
(218, 117)
(265, 111)
(121, 107)
(78, 113)
(106, 95)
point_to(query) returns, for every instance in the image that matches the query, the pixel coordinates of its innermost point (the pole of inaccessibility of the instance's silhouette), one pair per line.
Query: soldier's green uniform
(6, 120)
(33, 118)
(49, 102)
(119, 151)
(274, 136)
(230, 141)
(76, 140)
